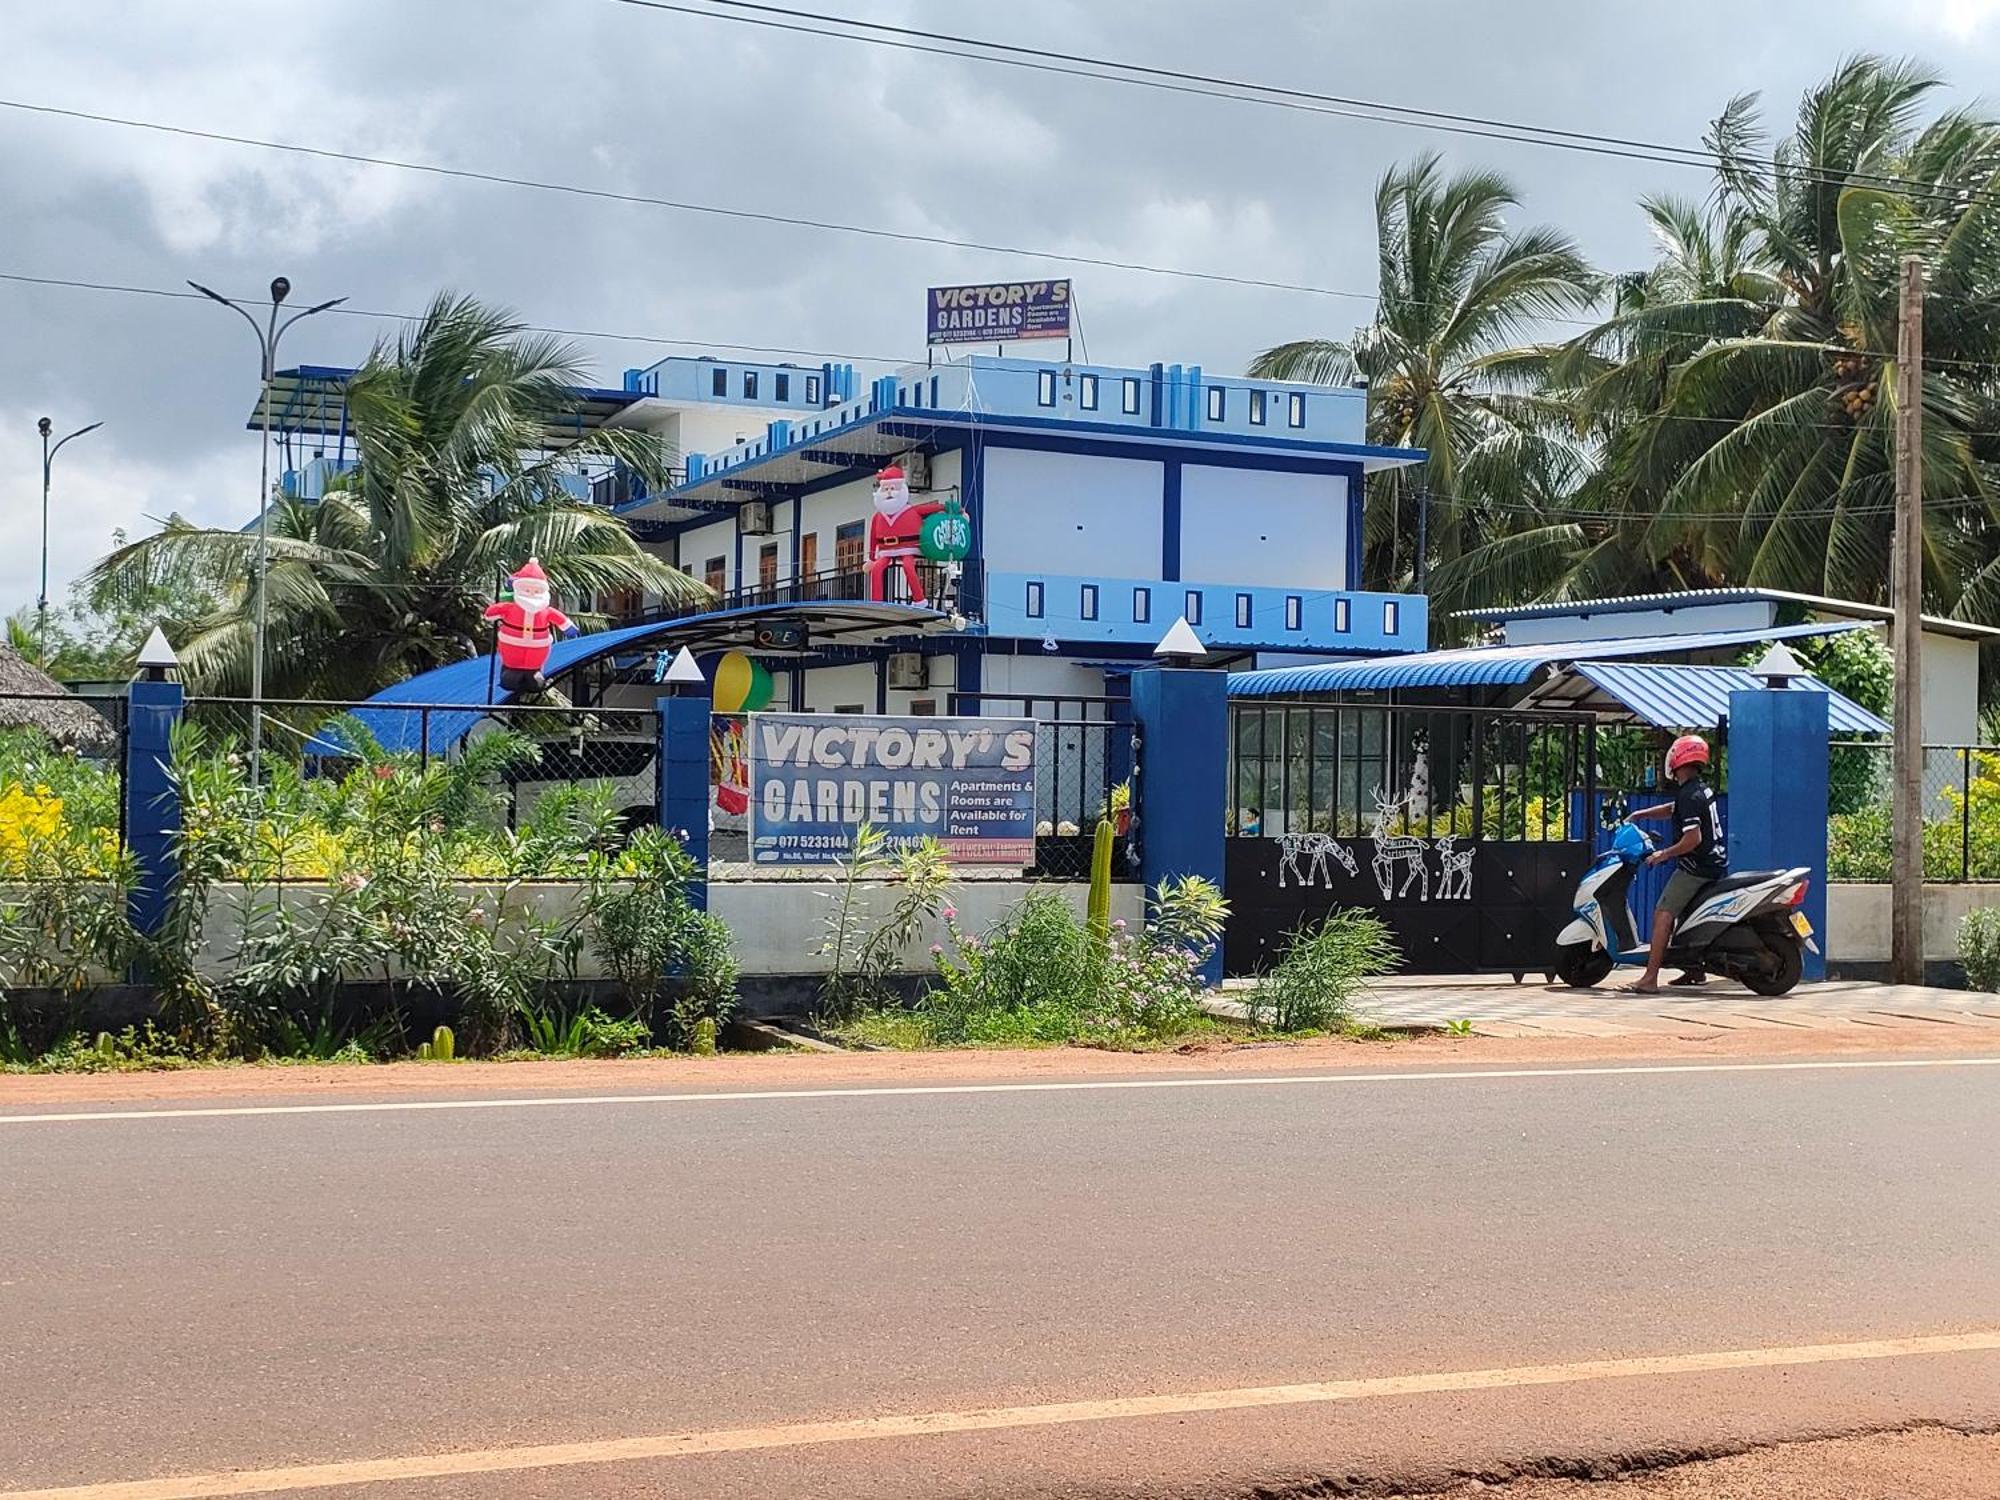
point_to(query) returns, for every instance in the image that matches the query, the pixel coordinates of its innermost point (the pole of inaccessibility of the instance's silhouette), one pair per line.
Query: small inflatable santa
(529, 625)
(895, 534)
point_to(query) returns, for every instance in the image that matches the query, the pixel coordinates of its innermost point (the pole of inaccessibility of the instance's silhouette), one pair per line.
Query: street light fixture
(45, 427)
(267, 348)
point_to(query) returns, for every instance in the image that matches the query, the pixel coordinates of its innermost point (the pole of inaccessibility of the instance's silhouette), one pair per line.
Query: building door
(850, 557)
(767, 572)
(808, 580)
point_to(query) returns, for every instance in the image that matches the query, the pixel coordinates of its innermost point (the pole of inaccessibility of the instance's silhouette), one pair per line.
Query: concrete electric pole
(1906, 594)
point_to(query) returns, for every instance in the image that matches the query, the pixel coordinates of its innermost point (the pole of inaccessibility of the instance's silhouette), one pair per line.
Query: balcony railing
(837, 586)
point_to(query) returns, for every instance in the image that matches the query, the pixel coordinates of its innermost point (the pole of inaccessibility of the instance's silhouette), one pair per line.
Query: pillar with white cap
(1179, 784)
(152, 810)
(683, 769)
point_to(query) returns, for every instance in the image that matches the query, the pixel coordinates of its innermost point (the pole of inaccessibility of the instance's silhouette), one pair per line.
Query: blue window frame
(1193, 609)
(1245, 611)
(718, 381)
(1256, 408)
(1131, 397)
(749, 385)
(1294, 612)
(934, 390)
(781, 386)
(1045, 388)
(1086, 601)
(1218, 403)
(1034, 600)
(812, 390)
(1392, 617)
(1342, 622)
(1142, 605)
(1295, 410)
(1086, 392)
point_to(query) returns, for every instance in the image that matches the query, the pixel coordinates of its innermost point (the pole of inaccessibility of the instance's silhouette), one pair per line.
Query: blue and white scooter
(1747, 927)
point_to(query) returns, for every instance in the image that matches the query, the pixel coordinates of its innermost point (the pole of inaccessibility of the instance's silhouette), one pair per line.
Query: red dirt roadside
(790, 1070)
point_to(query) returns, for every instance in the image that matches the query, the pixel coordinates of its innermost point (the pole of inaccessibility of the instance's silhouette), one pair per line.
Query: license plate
(1800, 925)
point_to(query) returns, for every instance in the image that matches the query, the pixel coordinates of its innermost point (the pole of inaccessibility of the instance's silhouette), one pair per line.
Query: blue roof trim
(1685, 697)
(1493, 666)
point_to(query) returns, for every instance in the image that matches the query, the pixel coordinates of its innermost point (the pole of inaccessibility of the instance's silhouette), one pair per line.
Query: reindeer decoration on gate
(1454, 869)
(1392, 850)
(1315, 849)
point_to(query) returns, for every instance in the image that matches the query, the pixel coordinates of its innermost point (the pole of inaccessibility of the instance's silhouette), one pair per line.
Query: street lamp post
(267, 349)
(45, 427)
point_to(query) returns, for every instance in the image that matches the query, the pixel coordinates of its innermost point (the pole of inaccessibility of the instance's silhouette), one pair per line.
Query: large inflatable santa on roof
(895, 534)
(529, 625)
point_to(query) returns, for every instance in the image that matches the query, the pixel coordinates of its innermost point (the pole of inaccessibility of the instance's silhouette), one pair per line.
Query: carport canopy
(1673, 696)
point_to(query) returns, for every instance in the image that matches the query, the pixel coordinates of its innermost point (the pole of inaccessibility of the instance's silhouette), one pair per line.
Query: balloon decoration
(529, 624)
(742, 686)
(947, 536)
(894, 534)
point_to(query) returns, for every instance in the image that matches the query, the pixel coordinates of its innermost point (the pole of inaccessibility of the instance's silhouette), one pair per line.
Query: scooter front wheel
(1581, 964)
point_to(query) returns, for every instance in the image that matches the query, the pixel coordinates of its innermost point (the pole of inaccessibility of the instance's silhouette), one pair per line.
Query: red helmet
(1688, 750)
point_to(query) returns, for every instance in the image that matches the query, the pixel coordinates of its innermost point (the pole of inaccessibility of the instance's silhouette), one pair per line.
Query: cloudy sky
(606, 95)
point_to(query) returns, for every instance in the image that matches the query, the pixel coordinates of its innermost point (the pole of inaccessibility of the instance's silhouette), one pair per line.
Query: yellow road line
(915, 1090)
(924, 1424)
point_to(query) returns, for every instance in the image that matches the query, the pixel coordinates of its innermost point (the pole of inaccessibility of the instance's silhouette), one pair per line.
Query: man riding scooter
(1702, 854)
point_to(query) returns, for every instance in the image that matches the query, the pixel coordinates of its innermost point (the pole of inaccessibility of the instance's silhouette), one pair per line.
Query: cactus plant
(444, 1046)
(107, 1047)
(1098, 912)
(704, 1037)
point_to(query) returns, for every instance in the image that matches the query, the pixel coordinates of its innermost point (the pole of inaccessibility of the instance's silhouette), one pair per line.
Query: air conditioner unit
(756, 518)
(917, 469)
(909, 670)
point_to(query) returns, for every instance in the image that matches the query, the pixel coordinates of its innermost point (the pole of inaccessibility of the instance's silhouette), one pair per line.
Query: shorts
(1681, 890)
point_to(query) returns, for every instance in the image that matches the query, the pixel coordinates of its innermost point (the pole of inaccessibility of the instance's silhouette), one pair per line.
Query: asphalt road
(198, 1294)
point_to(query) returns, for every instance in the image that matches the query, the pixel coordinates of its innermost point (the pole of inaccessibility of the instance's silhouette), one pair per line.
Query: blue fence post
(683, 795)
(1180, 790)
(1778, 793)
(152, 810)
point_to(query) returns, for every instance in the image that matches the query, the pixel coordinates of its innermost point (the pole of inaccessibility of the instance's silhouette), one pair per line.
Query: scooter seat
(1737, 882)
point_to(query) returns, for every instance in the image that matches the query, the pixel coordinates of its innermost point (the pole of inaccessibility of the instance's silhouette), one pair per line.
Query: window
(1045, 388)
(849, 708)
(1131, 397)
(715, 573)
(1294, 611)
(718, 381)
(767, 566)
(1034, 601)
(934, 391)
(812, 390)
(1295, 410)
(1392, 617)
(1243, 611)
(1341, 623)
(850, 547)
(809, 554)
(923, 708)
(1086, 392)
(1217, 403)
(781, 386)
(1193, 609)
(749, 385)
(1256, 408)
(1086, 603)
(1142, 606)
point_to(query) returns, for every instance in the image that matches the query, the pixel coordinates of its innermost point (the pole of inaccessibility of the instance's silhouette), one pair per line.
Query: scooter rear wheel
(1785, 962)
(1581, 964)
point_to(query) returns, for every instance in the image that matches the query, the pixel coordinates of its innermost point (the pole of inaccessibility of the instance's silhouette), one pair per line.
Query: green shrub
(863, 954)
(1979, 947)
(1314, 984)
(584, 1032)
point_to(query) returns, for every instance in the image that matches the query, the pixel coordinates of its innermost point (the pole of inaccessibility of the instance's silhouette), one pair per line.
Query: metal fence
(1083, 770)
(62, 778)
(1961, 810)
(1354, 771)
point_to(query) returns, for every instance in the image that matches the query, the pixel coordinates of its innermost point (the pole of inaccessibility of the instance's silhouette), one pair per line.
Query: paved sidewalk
(1496, 1006)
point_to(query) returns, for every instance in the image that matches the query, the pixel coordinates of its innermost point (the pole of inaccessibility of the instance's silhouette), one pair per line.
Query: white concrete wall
(703, 542)
(1950, 690)
(1857, 920)
(1609, 625)
(1043, 676)
(828, 688)
(1251, 526)
(1074, 514)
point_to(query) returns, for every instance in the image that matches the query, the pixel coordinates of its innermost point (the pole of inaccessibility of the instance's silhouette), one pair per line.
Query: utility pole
(1906, 594)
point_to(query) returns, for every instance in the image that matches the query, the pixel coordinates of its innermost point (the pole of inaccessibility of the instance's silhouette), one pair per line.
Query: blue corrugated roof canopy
(1675, 696)
(1497, 666)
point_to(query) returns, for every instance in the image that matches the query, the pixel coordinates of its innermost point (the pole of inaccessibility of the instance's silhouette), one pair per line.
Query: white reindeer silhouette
(1315, 849)
(1454, 869)
(1392, 850)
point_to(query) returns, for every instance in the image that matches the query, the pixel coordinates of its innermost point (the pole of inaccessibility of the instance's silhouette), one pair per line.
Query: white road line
(422, 1466)
(904, 1091)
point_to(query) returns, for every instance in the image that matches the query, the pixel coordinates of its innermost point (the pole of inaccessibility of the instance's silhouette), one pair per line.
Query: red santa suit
(894, 534)
(529, 625)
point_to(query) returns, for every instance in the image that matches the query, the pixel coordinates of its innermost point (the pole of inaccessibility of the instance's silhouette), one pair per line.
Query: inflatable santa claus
(529, 625)
(895, 534)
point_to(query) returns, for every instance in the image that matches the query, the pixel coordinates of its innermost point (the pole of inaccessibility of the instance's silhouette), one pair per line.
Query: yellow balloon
(741, 685)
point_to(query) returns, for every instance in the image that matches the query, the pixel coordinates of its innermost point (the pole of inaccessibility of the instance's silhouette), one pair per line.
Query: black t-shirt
(1694, 812)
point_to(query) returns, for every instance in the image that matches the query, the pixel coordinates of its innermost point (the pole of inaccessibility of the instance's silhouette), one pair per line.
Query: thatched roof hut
(30, 698)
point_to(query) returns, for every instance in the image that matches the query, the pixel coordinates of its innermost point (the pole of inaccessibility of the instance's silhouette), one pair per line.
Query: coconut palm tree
(1443, 370)
(387, 575)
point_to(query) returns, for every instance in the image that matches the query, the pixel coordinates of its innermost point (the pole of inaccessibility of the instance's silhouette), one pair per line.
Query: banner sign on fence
(995, 313)
(968, 783)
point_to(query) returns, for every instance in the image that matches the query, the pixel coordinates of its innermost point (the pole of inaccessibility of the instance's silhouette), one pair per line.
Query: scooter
(1747, 927)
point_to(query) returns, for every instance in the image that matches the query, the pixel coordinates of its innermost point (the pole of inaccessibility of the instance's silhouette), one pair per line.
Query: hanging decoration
(741, 685)
(947, 536)
(895, 535)
(728, 771)
(529, 625)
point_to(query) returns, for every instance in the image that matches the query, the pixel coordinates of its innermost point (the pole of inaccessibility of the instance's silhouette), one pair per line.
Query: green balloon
(947, 535)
